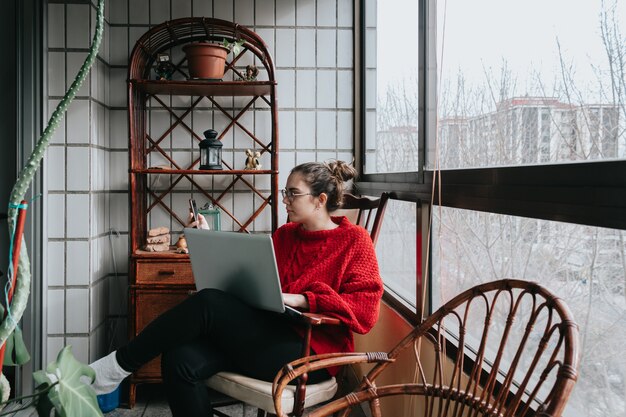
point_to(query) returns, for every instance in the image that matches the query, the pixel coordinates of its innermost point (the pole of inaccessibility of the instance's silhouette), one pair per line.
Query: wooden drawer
(159, 272)
(149, 304)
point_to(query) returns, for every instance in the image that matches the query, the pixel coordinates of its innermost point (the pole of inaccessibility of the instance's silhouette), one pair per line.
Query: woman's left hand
(298, 301)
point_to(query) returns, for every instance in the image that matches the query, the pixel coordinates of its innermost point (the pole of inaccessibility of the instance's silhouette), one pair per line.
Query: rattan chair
(364, 211)
(504, 348)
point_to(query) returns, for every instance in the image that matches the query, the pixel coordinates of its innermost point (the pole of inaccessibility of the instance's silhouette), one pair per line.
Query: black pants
(208, 333)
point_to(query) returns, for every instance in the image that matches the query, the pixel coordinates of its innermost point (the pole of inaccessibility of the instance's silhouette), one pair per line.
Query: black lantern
(210, 151)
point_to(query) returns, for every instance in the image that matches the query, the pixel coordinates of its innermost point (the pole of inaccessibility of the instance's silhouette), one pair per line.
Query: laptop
(240, 264)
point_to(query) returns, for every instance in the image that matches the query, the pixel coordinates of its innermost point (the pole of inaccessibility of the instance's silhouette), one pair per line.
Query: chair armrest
(315, 319)
(302, 366)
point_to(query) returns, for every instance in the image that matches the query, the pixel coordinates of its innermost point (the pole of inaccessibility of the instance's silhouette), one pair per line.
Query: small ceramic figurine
(164, 68)
(253, 159)
(181, 245)
(251, 73)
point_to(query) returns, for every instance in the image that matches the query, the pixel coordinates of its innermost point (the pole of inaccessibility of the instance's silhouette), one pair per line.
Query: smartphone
(194, 209)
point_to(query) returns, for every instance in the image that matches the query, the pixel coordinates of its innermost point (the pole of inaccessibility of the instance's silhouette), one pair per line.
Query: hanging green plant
(67, 394)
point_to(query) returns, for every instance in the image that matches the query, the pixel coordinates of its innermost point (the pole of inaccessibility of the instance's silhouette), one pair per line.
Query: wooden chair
(504, 348)
(367, 212)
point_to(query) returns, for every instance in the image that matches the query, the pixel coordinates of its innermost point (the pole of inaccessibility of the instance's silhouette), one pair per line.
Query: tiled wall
(86, 166)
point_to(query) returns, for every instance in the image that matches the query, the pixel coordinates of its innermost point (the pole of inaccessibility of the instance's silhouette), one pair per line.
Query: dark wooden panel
(151, 303)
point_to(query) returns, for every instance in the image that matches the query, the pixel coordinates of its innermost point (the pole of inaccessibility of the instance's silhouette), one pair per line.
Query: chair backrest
(365, 211)
(504, 348)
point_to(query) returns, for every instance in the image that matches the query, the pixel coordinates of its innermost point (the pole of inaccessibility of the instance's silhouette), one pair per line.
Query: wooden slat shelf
(170, 254)
(206, 88)
(202, 171)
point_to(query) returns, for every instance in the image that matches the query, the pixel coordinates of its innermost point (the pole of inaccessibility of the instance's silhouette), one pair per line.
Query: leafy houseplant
(206, 60)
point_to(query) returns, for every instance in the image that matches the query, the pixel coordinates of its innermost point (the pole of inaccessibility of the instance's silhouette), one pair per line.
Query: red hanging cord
(19, 232)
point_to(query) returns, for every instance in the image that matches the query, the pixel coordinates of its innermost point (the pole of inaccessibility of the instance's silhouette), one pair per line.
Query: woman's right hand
(200, 224)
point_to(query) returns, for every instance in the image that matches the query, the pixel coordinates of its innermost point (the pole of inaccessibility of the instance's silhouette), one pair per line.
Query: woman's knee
(209, 296)
(178, 365)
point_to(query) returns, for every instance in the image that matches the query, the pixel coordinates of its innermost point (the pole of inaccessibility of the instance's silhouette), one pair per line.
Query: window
(499, 73)
(540, 90)
(396, 250)
(391, 69)
(584, 265)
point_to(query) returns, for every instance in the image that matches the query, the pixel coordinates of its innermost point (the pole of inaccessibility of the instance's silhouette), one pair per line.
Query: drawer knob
(166, 272)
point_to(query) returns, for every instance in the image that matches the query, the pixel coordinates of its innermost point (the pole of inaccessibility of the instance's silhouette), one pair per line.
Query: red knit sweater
(338, 273)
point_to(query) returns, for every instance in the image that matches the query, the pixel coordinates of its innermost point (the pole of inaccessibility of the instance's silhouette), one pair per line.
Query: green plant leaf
(16, 348)
(237, 46)
(71, 397)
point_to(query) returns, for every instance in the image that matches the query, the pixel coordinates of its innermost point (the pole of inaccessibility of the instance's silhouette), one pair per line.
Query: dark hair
(327, 177)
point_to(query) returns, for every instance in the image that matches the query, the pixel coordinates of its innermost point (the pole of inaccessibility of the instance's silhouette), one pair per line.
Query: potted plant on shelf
(206, 60)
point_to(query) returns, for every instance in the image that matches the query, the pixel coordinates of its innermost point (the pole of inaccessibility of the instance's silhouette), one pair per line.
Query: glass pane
(396, 249)
(546, 86)
(583, 265)
(391, 59)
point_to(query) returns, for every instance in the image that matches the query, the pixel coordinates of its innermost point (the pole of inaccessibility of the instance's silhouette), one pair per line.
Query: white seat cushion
(259, 393)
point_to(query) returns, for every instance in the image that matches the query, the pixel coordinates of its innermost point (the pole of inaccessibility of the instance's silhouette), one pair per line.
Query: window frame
(586, 193)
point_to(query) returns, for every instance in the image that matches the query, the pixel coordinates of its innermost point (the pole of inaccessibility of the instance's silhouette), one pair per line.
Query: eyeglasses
(290, 195)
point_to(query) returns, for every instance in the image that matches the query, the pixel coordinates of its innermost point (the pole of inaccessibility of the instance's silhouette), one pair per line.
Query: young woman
(326, 265)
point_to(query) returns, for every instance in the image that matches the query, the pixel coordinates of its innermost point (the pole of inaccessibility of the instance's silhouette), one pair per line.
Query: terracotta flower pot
(206, 60)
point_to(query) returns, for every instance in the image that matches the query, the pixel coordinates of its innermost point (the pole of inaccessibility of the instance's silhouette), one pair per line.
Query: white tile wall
(77, 33)
(305, 130)
(287, 134)
(78, 214)
(80, 348)
(159, 11)
(77, 310)
(56, 31)
(285, 12)
(56, 263)
(305, 13)
(326, 130)
(203, 8)
(119, 39)
(56, 73)
(54, 163)
(223, 9)
(56, 215)
(345, 91)
(345, 13)
(345, 49)
(344, 130)
(78, 175)
(305, 48)
(180, 8)
(326, 97)
(285, 48)
(78, 265)
(326, 48)
(137, 12)
(326, 13)
(118, 11)
(78, 122)
(53, 347)
(264, 12)
(55, 314)
(305, 89)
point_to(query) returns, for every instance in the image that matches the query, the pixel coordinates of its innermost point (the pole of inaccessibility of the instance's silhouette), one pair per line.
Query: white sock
(109, 374)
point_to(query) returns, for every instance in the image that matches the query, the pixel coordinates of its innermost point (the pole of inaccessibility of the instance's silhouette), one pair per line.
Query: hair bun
(341, 170)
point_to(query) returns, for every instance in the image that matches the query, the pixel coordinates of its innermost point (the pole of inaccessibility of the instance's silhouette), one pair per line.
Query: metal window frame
(586, 193)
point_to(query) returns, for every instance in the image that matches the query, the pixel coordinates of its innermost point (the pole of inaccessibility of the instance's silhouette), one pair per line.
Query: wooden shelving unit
(158, 281)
